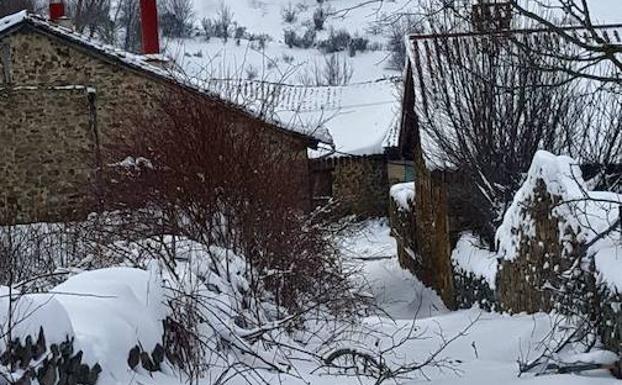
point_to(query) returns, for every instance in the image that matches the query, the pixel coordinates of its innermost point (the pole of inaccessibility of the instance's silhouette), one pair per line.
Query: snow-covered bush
(291, 38)
(83, 328)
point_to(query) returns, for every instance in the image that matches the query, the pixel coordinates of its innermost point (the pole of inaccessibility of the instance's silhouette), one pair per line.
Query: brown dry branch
(486, 111)
(590, 41)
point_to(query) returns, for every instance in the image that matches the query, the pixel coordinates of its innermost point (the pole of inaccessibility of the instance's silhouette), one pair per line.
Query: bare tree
(335, 71)
(177, 18)
(572, 22)
(8, 7)
(91, 15)
(485, 108)
(128, 15)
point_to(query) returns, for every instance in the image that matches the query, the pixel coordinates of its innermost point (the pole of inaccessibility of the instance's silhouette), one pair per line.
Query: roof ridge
(140, 63)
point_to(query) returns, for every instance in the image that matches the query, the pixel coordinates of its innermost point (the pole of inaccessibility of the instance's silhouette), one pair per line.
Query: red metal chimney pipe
(57, 10)
(149, 27)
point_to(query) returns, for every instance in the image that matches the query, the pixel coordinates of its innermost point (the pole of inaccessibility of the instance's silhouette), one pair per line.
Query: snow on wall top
(403, 194)
(562, 178)
(144, 63)
(470, 257)
(361, 118)
(588, 213)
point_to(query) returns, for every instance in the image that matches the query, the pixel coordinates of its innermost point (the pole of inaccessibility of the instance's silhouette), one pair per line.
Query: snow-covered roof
(437, 53)
(145, 64)
(361, 118)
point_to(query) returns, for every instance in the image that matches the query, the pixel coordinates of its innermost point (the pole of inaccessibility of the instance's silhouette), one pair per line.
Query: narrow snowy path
(486, 355)
(397, 291)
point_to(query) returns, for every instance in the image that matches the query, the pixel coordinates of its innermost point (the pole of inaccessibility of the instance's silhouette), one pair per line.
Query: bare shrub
(177, 18)
(90, 16)
(335, 71)
(291, 38)
(223, 22)
(211, 178)
(289, 14)
(319, 18)
(337, 41)
(9, 7)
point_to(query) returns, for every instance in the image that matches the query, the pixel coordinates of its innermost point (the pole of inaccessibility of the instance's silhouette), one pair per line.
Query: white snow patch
(471, 257)
(403, 194)
(29, 313)
(111, 311)
(107, 312)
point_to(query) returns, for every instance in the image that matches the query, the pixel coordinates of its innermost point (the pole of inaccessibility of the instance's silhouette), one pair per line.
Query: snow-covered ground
(109, 311)
(488, 352)
(276, 61)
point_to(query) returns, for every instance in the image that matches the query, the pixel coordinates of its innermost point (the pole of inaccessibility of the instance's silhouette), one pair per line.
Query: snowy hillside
(276, 61)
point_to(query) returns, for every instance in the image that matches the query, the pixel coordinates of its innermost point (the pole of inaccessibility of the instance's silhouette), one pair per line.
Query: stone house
(64, 96)
(367, 154)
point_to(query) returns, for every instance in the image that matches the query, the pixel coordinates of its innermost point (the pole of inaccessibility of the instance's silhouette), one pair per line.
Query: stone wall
(46, 153)
(524, 281)
(610, 309)
(432, 234)
(472, 290)
(359, 184)
(403, 230)
(41, 61)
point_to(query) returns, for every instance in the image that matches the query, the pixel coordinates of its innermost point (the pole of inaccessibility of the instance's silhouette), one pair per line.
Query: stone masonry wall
(42, 61)
(432, 234)
(403, 230)
(359, 184)
(44, 154)
(522, 282)
(362, 185)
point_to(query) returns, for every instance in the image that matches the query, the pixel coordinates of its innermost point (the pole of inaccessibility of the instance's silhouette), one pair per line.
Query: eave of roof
(361, 117)
(140, 64)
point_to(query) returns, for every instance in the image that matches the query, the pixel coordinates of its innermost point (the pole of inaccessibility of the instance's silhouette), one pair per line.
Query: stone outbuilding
(63, 96)
(368, 153)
